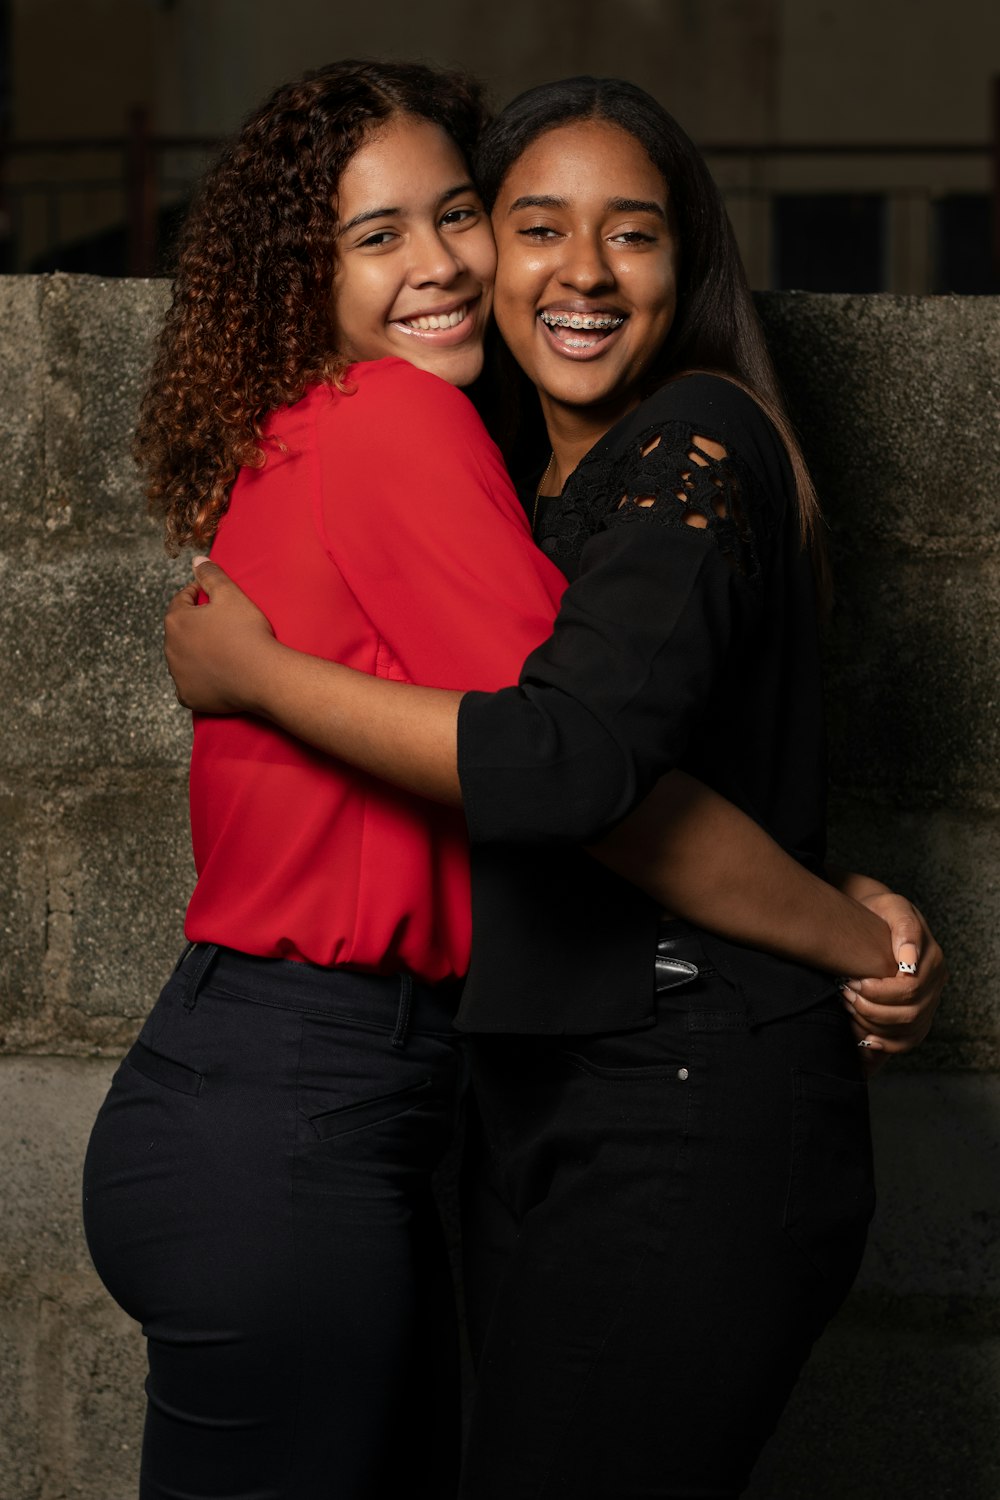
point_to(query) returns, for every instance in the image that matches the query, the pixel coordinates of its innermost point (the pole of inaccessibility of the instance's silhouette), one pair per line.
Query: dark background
(855, 143)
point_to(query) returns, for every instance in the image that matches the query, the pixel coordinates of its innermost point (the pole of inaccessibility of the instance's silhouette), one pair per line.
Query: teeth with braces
(442, 320)
(590, 321)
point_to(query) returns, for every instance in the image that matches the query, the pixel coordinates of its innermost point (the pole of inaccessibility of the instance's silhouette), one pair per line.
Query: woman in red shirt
(258, 1183)
(577, 1395)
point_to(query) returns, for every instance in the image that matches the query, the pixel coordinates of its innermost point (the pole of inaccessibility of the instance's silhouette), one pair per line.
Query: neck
(573, 431)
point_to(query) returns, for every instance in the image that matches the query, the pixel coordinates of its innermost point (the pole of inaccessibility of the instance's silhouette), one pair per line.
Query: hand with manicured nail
(894, 1015)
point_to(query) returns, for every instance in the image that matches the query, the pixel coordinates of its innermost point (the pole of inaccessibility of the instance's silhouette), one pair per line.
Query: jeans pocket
(831, 1191)
(367, 1112)
(659, 1050)
(164, 1070)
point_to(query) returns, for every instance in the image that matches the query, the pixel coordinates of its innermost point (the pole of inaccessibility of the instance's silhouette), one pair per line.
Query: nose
(435, 261)
(585, 265)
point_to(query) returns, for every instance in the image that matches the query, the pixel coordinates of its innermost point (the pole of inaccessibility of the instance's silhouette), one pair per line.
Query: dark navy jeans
(258, 1195)
(660, 1222)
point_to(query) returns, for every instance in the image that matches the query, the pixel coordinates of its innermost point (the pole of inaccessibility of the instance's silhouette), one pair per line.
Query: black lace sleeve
(666, 475)
(668, 533)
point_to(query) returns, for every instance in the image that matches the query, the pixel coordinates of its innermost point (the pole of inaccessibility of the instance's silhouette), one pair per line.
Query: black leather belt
(679, 958)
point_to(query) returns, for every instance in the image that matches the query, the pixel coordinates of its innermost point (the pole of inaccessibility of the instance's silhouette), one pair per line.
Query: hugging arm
(691, 850)
(710, 863)
(567, 753)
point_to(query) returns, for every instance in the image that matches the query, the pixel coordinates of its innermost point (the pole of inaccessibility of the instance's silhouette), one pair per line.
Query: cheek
(666, 310)
(370, 291)
(657, 302)
(513, 327)
(485, 262)
(514, 302)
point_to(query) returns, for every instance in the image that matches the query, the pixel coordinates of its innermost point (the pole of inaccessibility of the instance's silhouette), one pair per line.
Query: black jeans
(659, 1225)
(257, 1194)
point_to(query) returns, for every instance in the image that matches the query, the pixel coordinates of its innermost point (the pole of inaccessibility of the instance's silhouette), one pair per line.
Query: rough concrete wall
(897, 403)
(95, 862)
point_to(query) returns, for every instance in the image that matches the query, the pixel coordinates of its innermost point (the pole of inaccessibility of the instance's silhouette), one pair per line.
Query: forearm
(686, 846)
(703, 859)
(398, 732)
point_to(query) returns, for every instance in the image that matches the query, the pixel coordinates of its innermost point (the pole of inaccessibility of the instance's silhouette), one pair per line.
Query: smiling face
(587, 276)
(415, 253)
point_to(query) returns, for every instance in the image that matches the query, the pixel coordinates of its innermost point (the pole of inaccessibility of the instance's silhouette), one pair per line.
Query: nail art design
(905, 968)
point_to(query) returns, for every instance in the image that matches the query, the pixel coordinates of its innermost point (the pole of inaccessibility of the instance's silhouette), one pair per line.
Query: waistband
(396, 1002)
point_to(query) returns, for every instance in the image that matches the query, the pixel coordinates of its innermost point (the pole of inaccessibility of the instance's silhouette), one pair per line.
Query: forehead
(407, 157)
(584, 159)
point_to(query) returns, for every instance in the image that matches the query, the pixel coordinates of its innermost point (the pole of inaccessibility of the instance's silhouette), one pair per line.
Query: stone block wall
(897, 404)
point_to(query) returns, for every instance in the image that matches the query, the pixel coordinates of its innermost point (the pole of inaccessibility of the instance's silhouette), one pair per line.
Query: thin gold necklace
(538, 492)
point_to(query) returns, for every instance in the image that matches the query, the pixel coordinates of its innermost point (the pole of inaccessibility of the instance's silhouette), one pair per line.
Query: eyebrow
(616, 205)
(541, 200)
(392, 213)
(637, 206)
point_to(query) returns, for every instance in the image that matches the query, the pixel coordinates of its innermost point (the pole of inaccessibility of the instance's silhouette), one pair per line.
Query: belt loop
(202, 955)
(186, 951)
(403, 1018)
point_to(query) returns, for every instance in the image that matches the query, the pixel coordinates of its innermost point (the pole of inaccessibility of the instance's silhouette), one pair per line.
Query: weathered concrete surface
(887, 1410)
(71, 1362)
(84, 680)
(93, 745)
(896, 402)
(948, 862)
(22, 395)
(106, 872)
(76, 350)
(901, 1396)
(912, 668)
(92, 887)
(936, 1235)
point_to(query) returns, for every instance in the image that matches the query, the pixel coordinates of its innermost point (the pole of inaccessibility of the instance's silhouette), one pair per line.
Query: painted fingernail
(905, 968)
(870, 1041)
(865, 1043)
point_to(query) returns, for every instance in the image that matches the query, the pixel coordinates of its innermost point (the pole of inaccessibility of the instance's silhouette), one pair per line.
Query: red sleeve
(417, 512)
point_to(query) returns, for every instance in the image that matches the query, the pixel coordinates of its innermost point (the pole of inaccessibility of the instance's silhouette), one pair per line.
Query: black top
(687, 637)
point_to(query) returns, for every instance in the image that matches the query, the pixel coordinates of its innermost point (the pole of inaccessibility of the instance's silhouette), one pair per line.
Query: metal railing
(144, 175)
(147, 174)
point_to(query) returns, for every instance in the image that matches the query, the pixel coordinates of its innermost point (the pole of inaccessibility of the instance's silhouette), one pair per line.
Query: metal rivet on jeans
(682, 1074)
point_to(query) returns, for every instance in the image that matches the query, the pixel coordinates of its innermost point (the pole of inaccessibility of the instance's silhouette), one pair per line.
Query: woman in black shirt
(674, 1176)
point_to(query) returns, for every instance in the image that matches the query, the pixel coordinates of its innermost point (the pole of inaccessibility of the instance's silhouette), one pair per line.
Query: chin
(458, 368)
(588, 392)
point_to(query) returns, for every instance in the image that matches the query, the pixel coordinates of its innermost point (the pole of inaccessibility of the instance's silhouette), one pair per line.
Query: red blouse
(382, 532)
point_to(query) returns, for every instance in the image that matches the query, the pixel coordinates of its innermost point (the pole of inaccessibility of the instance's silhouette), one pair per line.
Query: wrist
(261, 678)
(859, 887)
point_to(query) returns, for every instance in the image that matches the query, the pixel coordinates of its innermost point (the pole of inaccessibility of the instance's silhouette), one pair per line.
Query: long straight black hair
(715, 327)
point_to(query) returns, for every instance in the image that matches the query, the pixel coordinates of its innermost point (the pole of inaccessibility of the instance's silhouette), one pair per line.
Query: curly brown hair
(249, 328)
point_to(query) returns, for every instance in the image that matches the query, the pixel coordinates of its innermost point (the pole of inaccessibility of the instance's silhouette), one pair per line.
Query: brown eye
(461, 215)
